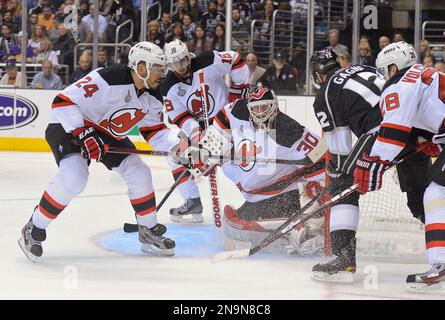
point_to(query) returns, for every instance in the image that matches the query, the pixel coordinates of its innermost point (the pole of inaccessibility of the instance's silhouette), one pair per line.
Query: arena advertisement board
(16, 111)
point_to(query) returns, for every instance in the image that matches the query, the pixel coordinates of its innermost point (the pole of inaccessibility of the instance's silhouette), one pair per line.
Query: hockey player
(346, 104)
(412, 101)
(255, 128)
(99, 110)
(182, 100)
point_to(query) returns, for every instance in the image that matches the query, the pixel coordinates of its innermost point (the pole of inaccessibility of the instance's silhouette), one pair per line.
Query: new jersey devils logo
(121, 121)
(247, 151)
(258, 94)
(194, 103)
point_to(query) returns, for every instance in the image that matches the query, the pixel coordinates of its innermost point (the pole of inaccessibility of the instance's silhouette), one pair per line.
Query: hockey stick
(291, 222)
(132, 227)
(109, 149)
(213, 178)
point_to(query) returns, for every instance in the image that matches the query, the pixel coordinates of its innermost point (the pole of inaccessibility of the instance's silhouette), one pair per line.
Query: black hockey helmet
(322, 61)
(263, 107)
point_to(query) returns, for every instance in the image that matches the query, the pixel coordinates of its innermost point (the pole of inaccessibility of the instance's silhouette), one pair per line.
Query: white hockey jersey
(107, 100)
(290, 140)
(413, 98)
(182, 98)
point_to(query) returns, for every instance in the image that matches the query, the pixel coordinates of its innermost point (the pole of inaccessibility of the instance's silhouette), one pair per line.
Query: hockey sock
(434, 200)
(187, 186)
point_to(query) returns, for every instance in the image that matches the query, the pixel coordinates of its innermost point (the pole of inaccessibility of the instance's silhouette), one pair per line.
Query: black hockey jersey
(348, 102)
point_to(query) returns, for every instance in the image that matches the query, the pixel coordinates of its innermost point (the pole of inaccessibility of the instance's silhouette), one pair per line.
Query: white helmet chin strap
(144, 79)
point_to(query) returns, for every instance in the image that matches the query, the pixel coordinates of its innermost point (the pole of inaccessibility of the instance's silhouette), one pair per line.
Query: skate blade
(28, 254)
(151, 249)
(437, 287)
(189, 218)
(342, 277)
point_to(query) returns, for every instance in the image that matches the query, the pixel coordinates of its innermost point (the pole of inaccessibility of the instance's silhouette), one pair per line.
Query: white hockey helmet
(400, 53)
(151, 54)
(177, 55)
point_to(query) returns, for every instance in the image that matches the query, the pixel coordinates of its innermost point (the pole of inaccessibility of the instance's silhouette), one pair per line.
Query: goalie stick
(133, 227)
(222, 159)
(293, 221)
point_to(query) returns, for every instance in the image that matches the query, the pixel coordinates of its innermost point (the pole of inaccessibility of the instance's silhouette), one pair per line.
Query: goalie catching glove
(90, 143)
(368, 173)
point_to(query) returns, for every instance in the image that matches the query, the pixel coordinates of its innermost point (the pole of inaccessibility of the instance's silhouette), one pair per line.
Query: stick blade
(226, 255)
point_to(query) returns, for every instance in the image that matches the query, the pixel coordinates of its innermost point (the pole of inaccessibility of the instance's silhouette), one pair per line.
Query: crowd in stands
(54, 30)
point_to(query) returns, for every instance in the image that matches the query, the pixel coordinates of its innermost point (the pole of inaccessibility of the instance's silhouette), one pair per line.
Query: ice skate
(432, 281)
(189, 212)
(31, 241)
(340, 268)
(153, 242)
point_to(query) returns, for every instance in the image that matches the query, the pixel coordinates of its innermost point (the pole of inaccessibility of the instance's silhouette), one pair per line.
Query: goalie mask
(324, 62)
(151, 55)
(263, 107)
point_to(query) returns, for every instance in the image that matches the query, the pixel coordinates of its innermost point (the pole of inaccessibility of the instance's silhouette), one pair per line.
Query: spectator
(298, 61)
(344, 58)
(166, 25)
(7, 40)
(37, 36)
(47, 18)
(429, 61)
(195, 10)
(64, 46)
(424, 49)
(398, 36)
(280, 77)
(383, 42)
(177, 33)
(155, 34)
(39, 9)
(219, 39)
(12, 77)
(245, 9)
(189, 27)
(46, 52)
(210, 18)
(333, 38)
(16, 14)
(200, 42)
(33, 21)
(221, 6)
(46, 79)
(102, 58)
(89, 21)
(7, 19)
(255, 71)
(84, 67)
(365, 56)
(182, 8)
(440, 66)
(238, 23)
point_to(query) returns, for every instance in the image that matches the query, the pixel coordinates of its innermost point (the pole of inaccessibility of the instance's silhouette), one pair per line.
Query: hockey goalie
(254, 128)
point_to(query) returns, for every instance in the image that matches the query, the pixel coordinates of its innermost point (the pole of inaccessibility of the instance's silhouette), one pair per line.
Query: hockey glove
(91, 144)
(240, 91)
(428, 147)
(368, 173)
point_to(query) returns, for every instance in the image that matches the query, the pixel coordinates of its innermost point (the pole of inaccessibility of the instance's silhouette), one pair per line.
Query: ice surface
(87, 256)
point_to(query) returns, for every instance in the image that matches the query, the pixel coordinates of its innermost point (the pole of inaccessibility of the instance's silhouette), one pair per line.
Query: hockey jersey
(290, 140)
(107, 100)
(347, 103)
(414, 98)
(182, 97)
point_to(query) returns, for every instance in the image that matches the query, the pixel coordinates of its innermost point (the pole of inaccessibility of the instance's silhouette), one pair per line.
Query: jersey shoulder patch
(240, 110)
(204, 60)
(288, 131)
(116, 75)
(169, 81)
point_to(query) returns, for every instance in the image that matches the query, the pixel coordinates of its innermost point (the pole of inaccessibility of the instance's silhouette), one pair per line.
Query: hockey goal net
(387, 227)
